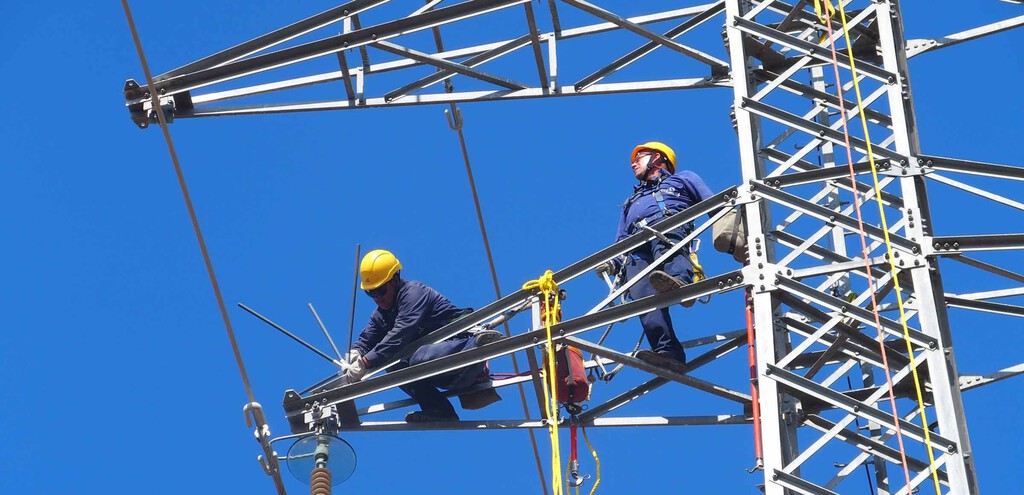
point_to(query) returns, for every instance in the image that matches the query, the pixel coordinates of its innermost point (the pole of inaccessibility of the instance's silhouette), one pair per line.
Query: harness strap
(735, 230)
(660, 198)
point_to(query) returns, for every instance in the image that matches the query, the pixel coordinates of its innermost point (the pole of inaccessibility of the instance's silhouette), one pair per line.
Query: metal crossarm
(269, 40)
(238, 68)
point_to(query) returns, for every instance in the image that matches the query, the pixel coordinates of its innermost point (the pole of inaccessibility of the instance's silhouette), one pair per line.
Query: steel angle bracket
(870, 445)
(801, 385)
(968, 382)
(798, 485)
(915, 167)
(950, 245)
(985, 306)
(863, 315)
(812, 128)
(824, 174)
(809, 49)
(140, 104)
(830, 216)
(971, 167)
(683, 378)
(764, 276)
(908, 261)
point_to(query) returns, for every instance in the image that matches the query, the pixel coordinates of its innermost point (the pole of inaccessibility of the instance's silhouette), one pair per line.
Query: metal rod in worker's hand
(355, 287)
(293, 336)
(324, 328)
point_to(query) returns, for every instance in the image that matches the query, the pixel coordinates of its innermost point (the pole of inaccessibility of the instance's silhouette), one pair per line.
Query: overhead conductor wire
(278, 482)
(455, 122)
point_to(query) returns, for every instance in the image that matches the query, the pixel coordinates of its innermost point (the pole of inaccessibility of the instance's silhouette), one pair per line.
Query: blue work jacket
(418, 310)
(679, 191)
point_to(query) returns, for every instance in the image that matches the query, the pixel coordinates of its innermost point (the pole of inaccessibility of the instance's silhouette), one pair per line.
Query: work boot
(429, 417)
(484, 337)
(662, 360)
(663, 282)
(479, 399)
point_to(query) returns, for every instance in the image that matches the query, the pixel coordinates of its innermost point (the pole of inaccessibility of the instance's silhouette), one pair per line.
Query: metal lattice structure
(804, 252)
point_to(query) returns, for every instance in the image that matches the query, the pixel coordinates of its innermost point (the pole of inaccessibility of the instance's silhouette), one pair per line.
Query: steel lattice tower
(812, 327)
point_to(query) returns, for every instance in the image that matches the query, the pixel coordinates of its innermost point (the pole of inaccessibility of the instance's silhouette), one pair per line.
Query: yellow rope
(597, 461)
(885, 233)
(698, 270)
(549, 291)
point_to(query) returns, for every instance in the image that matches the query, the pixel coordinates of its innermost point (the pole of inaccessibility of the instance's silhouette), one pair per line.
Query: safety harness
(645, 223)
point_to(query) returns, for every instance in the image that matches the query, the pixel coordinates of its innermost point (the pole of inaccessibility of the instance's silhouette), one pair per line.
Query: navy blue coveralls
(651, 201)
(417, 311)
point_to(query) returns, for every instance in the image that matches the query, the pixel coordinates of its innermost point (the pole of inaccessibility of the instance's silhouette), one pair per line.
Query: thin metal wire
(352, 313)
(278, 482)
(498, 293)
(455, 123)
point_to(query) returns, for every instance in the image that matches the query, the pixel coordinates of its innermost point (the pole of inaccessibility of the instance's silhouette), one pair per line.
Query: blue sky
(117, 373)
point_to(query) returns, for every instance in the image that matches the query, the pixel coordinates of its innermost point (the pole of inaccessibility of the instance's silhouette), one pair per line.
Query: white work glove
(349, 357)
(356, 370)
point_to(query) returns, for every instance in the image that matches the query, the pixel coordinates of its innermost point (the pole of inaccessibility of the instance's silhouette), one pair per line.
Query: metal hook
(575, 479)
(759, 466)
(268, 460)
(257, 413)
(454, 118)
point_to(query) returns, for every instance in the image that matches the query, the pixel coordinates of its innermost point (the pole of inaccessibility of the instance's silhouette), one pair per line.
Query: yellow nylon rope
(885, 232)
(597, 462)
(547, 286)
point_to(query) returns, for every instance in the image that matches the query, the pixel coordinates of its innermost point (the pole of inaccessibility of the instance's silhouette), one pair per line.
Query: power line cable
(276, 475)
(455, 122)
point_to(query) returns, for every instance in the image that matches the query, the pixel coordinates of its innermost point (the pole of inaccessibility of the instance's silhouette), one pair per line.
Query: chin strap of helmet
(650, 166)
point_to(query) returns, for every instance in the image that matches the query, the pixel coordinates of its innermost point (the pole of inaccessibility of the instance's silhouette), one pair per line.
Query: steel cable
(279, 484)
(455, 123)
(497, 292)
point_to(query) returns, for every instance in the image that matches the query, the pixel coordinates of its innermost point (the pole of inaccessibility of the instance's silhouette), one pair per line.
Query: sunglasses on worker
(642, 154)
(378, 292)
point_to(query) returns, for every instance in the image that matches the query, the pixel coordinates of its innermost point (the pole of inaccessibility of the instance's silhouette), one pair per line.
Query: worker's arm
(374, 332)
(620, 232)
(690, 189)
(413, 305)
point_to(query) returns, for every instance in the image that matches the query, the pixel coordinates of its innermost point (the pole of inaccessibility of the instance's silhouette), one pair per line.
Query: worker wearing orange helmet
(407, 310)
(662, 191)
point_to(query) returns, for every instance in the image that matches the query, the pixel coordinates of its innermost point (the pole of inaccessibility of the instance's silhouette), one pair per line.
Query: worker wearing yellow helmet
(662, 191)
(407, 310)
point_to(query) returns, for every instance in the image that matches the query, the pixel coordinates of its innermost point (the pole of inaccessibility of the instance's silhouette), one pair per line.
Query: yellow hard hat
(659, 147)
(377, 267)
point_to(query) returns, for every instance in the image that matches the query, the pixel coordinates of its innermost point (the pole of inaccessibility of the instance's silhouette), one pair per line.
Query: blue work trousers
(425, 392)
(658, 323)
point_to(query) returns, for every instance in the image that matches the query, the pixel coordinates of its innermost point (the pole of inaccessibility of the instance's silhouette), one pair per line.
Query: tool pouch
(730, 235)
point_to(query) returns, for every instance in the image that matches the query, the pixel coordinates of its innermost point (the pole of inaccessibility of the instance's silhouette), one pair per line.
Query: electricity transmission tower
(807, 79)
